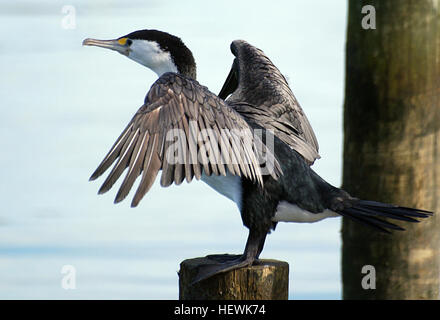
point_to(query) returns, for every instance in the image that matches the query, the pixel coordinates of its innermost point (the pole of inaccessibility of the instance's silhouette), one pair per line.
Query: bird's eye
(129, 42)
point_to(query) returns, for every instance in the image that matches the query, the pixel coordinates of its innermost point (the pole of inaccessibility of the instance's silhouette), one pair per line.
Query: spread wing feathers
(266, 99)
(185, 131)
(286, 124)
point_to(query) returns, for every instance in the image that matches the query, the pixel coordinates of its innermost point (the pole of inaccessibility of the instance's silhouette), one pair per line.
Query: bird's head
(157, 50)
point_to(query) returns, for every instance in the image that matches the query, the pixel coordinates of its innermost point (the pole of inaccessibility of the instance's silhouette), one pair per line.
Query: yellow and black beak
(120, 45)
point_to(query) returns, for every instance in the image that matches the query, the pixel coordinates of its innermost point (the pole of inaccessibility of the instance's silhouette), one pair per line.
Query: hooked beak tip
(86, 42)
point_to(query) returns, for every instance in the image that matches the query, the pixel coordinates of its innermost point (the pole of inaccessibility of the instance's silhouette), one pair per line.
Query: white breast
(229, 186)
(289, 212)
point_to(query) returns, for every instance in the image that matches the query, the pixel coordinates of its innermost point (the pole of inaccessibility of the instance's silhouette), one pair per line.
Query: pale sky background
(63, 106)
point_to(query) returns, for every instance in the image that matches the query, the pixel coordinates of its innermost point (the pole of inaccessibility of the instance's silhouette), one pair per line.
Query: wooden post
(266, 280)
(392, 145)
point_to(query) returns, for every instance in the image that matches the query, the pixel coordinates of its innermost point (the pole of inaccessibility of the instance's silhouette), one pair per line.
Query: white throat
(149, 54)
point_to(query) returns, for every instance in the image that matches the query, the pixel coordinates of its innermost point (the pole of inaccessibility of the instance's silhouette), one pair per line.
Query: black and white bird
(232, 160)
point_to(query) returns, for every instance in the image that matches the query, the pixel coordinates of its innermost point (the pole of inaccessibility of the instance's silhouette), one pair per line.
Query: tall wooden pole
(392, 145)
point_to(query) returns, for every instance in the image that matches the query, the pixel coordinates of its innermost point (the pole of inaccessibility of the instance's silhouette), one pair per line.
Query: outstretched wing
(186, 131)
(263, 97)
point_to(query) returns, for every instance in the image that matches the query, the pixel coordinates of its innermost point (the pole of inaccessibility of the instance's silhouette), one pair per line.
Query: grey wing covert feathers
(179, 107)
(260, 93)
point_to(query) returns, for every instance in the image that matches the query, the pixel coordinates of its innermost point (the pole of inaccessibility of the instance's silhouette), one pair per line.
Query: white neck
(149, 54)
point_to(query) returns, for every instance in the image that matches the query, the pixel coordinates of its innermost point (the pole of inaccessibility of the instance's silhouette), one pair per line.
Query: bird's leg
(254, 245)
(224, 263)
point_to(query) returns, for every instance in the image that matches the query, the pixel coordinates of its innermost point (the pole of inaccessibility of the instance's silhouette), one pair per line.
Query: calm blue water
(63, 105)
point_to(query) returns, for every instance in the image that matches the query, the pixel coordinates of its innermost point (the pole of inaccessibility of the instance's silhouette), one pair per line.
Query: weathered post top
(267, 279)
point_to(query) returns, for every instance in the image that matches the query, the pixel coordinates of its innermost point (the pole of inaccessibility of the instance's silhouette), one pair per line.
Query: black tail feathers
(367, 213)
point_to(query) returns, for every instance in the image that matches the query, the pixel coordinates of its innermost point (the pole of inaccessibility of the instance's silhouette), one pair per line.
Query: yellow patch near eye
(122, 41)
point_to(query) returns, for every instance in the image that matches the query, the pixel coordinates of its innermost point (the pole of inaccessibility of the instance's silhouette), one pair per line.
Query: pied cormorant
(212, 138)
